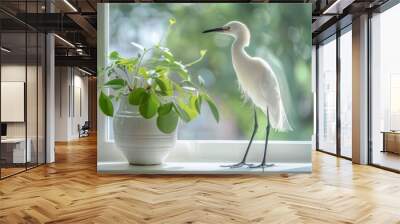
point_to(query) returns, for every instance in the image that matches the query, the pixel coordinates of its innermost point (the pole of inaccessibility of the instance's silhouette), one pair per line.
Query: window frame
(334, 37)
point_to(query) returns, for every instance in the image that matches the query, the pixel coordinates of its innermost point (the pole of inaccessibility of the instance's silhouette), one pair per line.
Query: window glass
(22, 91)
(385, 84)
(346, 94)
(32, 97)
(327, 96)
(15, 150)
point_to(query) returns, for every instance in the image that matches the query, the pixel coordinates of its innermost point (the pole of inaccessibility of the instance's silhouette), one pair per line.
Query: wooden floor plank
(70, 191)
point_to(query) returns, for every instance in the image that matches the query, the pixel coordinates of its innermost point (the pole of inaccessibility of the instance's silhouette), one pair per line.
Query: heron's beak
(218, 29)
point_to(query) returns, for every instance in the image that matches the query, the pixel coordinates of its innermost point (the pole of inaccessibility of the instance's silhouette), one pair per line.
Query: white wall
(79, 117)
(70, 83)
(12, 73)
(61, 103)
(16, 73)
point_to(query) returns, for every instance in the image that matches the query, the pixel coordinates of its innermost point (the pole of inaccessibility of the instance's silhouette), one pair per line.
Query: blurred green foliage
(280, 33)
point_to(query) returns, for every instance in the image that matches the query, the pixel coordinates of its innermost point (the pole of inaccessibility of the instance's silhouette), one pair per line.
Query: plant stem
(195, 61)
(164, 35)
(141, 59)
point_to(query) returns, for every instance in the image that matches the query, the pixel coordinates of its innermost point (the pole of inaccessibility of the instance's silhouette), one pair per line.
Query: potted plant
(152, 92)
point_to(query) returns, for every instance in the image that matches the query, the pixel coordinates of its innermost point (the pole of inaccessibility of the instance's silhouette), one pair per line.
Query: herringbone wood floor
(70, 191)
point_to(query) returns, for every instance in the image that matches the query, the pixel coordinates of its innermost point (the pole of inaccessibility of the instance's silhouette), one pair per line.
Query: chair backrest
(86, 125)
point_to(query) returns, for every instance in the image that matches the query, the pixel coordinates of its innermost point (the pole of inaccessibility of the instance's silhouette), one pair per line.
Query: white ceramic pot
(138, 138)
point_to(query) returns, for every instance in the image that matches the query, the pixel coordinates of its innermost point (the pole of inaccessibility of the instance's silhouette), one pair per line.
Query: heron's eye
(227, 28)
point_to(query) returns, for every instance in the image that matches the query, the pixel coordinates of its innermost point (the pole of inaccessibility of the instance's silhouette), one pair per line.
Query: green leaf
(167, 123)
(135, 97)
(161, 70)
(110, 72)
(192, 103)
(167, 54)
(203, 52)
(172, 21)
(184, 74)
(165, 108)
(179, 65)
(179, 89)
(165, 86)
(198, 103)
(149, 105)
(182, 114)
(115, 84)
(212, 106)
(106, 105)
(175, 66)
(128, 63)
(181, 70)
(201, 81)
(189, 89)
(114, 56)
(106, 70)
(187, 83)
(161, 84)
(143, 72)
(190, 111)
(138, 46)
(153, 74)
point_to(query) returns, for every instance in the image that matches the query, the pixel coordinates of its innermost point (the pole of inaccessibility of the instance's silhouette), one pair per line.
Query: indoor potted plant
(151, 96)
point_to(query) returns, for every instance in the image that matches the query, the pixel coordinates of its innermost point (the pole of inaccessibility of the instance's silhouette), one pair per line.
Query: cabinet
(391, 142)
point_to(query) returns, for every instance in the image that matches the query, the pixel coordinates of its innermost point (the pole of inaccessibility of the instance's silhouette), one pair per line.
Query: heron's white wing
(271, 100)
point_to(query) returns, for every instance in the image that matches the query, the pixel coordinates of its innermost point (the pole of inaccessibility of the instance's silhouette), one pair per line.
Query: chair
(84, 129)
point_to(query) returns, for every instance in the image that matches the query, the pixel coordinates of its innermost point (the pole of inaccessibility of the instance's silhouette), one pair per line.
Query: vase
(138, 138)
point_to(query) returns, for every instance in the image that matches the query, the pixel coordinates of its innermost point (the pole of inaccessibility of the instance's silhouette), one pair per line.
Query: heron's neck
(238, 51)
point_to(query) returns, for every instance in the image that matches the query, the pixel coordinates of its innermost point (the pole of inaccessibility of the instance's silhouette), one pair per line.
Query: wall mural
(206, 88)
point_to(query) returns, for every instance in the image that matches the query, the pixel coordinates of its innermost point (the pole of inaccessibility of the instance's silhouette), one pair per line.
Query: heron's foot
(262, 165)
(238, 165)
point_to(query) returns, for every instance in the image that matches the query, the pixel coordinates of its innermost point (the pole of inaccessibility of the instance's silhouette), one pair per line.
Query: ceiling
(75, 22)
(331, 15)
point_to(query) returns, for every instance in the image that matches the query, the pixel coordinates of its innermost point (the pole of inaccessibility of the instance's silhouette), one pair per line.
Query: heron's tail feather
(284, 124)
(278, 118)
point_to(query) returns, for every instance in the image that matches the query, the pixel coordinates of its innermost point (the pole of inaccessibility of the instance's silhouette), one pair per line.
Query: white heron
(258, 82)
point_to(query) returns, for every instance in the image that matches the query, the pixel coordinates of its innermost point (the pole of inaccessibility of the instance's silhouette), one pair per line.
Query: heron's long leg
(263, 163)
(243, 162)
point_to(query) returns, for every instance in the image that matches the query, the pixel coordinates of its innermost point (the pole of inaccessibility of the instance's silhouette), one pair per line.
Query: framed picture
(204, 88)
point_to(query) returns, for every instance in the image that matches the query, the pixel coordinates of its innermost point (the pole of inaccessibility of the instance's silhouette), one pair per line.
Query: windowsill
(205, 157)
(199, 168)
